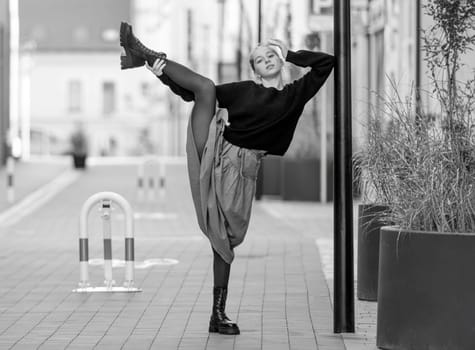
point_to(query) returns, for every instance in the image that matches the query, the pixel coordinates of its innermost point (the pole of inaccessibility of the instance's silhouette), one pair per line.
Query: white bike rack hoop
(151, 178)
(106, 199)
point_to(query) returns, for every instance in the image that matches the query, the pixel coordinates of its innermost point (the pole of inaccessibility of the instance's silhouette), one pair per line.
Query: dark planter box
(300, 180)
(370, 220)
(426, 294)
(271, 166)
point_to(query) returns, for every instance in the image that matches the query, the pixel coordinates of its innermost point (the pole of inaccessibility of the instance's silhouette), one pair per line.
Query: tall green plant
(424, 165)
(450, 37)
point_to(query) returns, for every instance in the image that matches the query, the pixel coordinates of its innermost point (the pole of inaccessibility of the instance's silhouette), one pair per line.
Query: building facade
(69, 67)
(70, 74)
(4, 80)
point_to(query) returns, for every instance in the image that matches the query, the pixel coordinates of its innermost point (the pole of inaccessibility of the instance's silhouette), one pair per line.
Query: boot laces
(145, 50)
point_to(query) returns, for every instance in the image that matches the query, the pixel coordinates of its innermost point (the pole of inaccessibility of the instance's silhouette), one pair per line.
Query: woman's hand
(157, 67)
(280, 44)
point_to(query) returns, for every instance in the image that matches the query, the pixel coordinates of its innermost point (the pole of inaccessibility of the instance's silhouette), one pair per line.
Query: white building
(70, 72)
(70, 63)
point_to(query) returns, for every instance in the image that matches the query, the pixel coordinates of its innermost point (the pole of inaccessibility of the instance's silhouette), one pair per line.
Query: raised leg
(135, 54)
(204, 92)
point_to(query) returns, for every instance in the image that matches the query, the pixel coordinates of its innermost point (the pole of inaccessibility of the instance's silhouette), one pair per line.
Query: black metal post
(418, 59)
(260, 173)
(343, 311)
(259, 22)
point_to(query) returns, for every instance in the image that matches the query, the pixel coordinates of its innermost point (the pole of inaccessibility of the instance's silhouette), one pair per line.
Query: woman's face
(267, 63)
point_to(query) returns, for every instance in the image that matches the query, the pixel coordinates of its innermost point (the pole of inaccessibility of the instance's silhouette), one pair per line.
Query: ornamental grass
(422, 164)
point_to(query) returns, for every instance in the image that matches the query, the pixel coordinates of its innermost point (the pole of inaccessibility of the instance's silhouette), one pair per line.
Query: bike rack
(106, 199)
(10, 179)
(148, 183)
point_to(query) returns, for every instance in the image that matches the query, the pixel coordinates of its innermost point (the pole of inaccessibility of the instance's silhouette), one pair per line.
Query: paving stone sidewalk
(315, 220)
(278, 291)
(30, 176)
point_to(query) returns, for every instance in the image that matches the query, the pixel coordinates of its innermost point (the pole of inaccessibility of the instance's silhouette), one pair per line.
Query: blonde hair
(251, 57)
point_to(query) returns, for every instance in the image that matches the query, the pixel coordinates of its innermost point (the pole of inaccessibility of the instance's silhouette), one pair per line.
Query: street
(278, 292)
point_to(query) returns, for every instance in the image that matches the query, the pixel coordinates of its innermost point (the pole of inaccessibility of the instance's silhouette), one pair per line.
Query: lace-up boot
(136, 53)
(219, 322)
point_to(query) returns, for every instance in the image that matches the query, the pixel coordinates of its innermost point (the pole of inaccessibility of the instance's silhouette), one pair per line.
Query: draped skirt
(223, 186)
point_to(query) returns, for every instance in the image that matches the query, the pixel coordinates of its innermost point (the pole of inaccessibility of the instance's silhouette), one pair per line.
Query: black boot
(219, 322)
(136, 53)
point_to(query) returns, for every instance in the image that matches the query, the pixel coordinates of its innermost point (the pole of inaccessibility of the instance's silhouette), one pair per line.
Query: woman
(224, 148)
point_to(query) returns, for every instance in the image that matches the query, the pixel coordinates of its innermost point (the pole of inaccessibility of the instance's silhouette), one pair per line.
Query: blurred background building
(64, 64)
(69, 74)
(4, 78)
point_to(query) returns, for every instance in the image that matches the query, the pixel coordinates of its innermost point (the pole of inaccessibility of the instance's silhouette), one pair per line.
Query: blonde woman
(225, 145)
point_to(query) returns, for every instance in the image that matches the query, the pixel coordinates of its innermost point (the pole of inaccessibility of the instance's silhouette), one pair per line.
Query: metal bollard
(148, 183)
(106, 199)
(10, 179)
(106, 208)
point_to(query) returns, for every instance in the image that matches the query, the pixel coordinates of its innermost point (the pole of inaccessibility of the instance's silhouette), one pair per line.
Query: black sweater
(265, 118)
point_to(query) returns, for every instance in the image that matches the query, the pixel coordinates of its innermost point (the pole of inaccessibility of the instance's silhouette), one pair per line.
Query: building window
(109, 100)
(321, 7)
(74, 90)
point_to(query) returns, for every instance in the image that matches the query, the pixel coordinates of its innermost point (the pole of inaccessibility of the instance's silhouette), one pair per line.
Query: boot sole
(227, 331)
(127, 61)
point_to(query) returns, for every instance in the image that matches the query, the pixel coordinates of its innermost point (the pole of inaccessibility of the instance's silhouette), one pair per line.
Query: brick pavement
(278, 291)
(316, 221)
(30, 176)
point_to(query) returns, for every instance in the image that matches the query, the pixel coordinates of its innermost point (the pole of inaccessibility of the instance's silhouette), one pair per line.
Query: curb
(37, 198)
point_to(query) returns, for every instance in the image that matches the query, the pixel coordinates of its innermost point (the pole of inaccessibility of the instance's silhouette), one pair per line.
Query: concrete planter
(426, 291)
(370, 220)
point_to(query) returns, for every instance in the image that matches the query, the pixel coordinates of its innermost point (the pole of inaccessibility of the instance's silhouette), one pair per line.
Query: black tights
(221, 270)
(201, 115)
(205, 99)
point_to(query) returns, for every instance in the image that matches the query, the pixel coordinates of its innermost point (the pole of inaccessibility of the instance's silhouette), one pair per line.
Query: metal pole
(418, 59)
(344, 313)
(239, 45)
(107, 235)
(14, 71)
(260, 173)
(323, 135)
(4, 79)
(220, 39)
(10, 179)
(161, 178)
(141, 181)
(259, 22)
